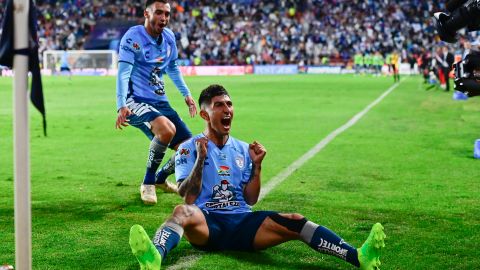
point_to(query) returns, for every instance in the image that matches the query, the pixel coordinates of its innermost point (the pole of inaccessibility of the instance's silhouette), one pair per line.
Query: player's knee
(293, 222)
(183, 213)
(163, 129)
(168, 133)
(179, 210)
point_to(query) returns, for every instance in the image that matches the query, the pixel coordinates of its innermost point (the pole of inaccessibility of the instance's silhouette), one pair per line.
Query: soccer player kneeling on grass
(219, 178)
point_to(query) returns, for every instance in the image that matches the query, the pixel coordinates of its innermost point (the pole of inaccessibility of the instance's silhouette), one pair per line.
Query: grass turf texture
(407, 164)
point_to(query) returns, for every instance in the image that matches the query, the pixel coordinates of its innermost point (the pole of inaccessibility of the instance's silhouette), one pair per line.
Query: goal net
(81, 62)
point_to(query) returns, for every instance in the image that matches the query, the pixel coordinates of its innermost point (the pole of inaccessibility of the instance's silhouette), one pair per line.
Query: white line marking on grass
(185, 262)
(189, 261)
(285, 173)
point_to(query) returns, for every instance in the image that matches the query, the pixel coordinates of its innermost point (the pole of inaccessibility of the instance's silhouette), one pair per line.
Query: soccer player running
(219, 178)
(146, 52)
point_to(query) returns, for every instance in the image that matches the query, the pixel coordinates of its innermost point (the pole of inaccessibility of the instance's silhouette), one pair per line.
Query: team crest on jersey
(156, 81)
(224, 171)
(223, 196)
(240, 162)
(136, 46)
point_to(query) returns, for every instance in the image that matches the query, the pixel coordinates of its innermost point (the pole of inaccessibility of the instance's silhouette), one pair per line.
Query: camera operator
(467, 74)
(463, 13)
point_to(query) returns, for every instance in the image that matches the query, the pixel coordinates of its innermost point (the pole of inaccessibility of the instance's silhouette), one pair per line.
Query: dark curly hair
(210, 92)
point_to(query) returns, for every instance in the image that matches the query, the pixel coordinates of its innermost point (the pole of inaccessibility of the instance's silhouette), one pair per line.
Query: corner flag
(7, 53)
(19, 50)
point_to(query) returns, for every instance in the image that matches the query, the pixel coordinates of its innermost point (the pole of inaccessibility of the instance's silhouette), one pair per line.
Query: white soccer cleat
(148, 194)
(167, 187)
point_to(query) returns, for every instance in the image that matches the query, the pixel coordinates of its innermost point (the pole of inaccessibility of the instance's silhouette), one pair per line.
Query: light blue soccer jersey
(150, 61)
(225, 173)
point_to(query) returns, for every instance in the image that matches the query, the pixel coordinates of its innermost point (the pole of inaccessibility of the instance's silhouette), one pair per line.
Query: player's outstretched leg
(143, 248)
(369, 253)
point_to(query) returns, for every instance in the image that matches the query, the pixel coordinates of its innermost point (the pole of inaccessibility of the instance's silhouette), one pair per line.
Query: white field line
(189, 261)
(280, 177)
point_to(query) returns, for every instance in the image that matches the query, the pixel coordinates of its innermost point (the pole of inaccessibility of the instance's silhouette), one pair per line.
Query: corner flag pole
(23, 215)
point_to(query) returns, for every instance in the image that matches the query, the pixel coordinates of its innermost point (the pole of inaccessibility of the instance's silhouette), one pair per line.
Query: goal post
(86, 62)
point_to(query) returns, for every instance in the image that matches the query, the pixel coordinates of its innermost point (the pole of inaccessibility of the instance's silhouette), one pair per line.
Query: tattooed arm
(191, 186)
(251, 191)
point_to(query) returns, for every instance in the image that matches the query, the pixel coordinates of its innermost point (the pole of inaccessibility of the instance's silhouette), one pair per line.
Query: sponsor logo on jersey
(180, 161)
(222, 156)
(219, 205)
(223, 195)
(126, 48)
(159, 59)
(136, 46)
(184, 152)
(224, 171)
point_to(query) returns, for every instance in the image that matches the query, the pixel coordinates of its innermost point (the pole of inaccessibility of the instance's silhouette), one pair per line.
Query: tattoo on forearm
(193, 183)
(256, 170)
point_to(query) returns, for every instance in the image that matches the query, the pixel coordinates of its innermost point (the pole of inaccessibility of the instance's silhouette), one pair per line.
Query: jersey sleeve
(123, 77)
(128, 46)
(184, 160)
(172, 68)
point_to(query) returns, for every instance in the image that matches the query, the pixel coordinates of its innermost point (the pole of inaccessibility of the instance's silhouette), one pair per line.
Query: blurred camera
(461, 14)
(467, 74)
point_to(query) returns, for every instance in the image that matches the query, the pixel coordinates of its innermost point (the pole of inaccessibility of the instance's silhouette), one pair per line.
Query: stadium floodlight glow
(23, 215)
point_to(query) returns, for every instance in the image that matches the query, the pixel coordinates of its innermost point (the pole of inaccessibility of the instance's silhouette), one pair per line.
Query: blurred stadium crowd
(218, 32)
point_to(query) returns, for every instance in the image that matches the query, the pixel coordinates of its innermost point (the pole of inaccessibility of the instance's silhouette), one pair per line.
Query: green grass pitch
(408, 164)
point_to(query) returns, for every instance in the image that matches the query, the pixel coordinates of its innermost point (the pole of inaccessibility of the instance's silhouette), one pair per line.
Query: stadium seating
(251, 31)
